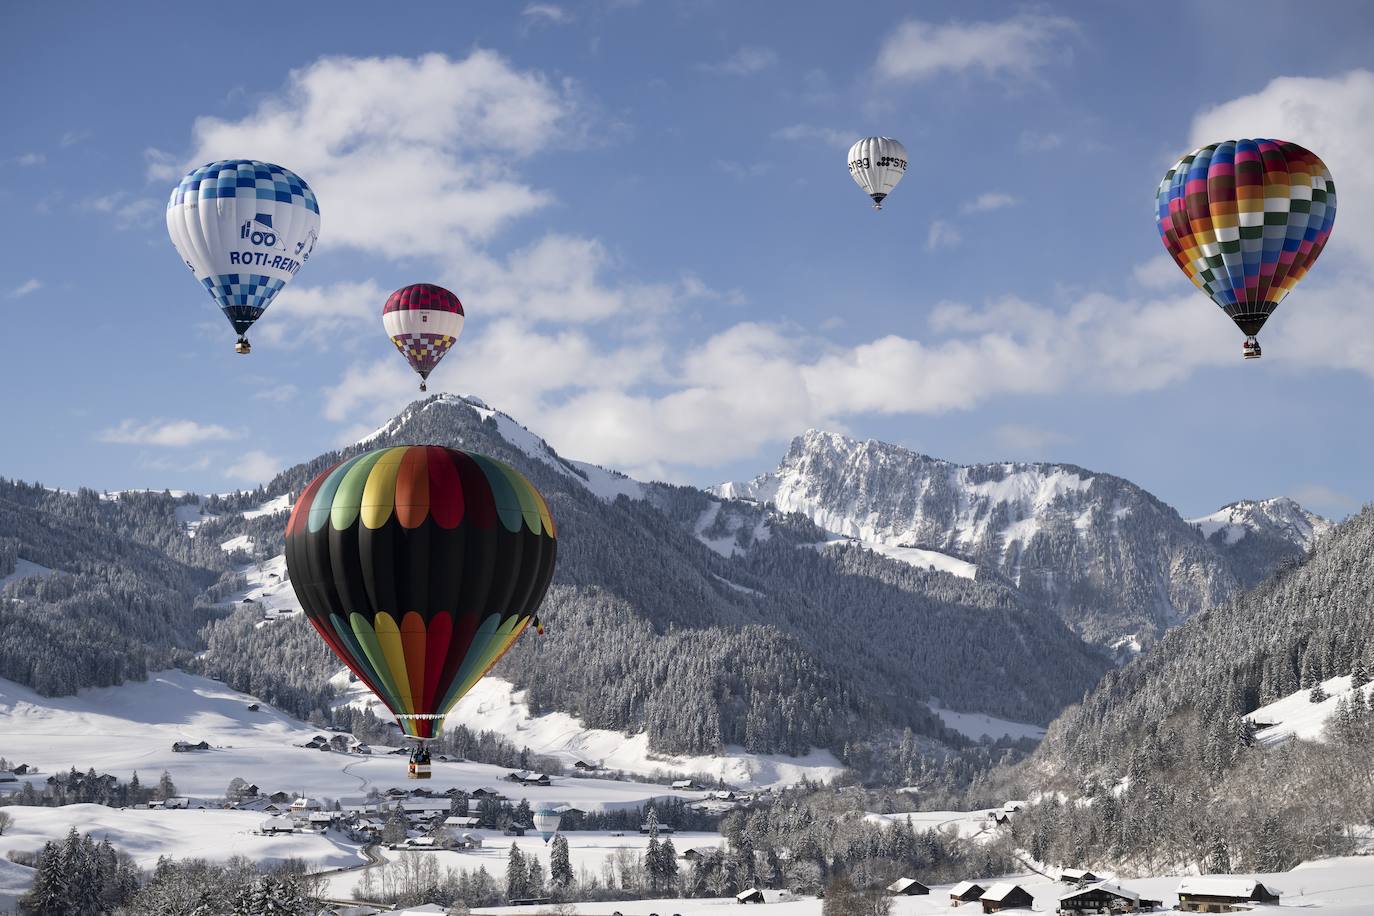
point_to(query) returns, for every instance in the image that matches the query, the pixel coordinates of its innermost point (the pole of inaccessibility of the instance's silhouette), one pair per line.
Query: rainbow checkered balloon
(1246, 220)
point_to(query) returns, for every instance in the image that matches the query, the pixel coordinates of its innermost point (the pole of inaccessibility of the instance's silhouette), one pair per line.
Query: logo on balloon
(259, 231)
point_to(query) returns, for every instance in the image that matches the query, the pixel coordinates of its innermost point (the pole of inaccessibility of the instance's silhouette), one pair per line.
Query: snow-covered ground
(495, 705)
(966, 824)
(1327, 887)
(918, 557)
(977, 724)
(1296, 716)
(586, 849)
(24, 569)
(119, 730)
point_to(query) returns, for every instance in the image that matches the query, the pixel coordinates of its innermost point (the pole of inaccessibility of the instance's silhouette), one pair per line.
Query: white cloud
(30, 159)
(1334, 118)
(942, 235)
(747, 60)
(1026, 439)
(323, 317)
(32, 285)
(276, 393)
(547, 14)
(807, 133)
(1015, 47)
(1160, 272)
(254, 467)
(160, 165)
(128, 210)
(990, 200)
(1032, 141)
(1323, 499)
(408, 156)
(166, 433)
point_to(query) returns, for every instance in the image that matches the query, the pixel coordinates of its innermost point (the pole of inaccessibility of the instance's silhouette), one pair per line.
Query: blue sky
(665, 264)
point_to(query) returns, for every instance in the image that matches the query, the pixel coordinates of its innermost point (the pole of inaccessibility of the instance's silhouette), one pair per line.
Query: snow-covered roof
(1116, 890)
(1074, 874)
(963, 887)
(455, 821)
(902, 884)
(1000, 890)
(1220, 886)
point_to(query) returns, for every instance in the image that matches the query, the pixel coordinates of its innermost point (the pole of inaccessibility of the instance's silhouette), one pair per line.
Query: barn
(907, 887)
(1105, 898)
(1222, 894)
(751, 895)
(964, 892)
(1005, 896)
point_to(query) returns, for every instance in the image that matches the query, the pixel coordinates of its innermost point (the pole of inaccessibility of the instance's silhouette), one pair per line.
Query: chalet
(279, 797)
(487, 793)
(514, 829)
(1105, 898)
(420, 842)
(662, 829)
(1001, 818)
(182, 747)
(965, 892)
(585, 767)
(526, 778)
(685, 785)
(23, 769)
(697, 853)
(320, 820)
(569, 809)
(275, 825)
(462, 823)
(723, 795)
(751, 895)
(1222, 894)
(255, 804)
(1006, 896)
(907, 887)
(250, 791)
(1080, 876)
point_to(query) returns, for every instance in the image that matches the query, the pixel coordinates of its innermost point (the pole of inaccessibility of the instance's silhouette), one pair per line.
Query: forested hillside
(1165, 752)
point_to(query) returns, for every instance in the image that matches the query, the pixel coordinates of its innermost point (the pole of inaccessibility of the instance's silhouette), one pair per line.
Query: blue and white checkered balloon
(244, 228)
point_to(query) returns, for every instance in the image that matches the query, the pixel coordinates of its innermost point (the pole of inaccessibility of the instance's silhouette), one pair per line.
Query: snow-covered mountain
(1260, 535)
(1113, 560)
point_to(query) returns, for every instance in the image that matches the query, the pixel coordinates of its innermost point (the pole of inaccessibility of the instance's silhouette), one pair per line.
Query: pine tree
(165, 787)
(560, 864)
(1273, 854)
(1317, 694)
(48, 896)
(516, 874)
(534, 878)
(1218, 856)
(1359, 675)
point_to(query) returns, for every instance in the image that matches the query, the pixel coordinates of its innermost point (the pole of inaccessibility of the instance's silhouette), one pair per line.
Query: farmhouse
(1005, 896)
(964, 892)
(182, 747)
(685, 784)
(1222, 894)
(1080, 876)
(752, 895)
(697, 853)
(274, 825)
(526, 778)
(586, 767)
(1105, 898)
(907, 887)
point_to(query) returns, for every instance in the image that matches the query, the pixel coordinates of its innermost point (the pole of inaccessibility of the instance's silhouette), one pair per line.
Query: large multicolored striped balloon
(420, 566)
(1245, 220)
(423, 321)
(244, 228)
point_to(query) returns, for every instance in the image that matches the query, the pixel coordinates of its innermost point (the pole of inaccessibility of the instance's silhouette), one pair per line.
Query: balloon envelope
(1245, 220)
(546, 821)
(244, 228)
(423, 321)
(420, 566)
(877, 164)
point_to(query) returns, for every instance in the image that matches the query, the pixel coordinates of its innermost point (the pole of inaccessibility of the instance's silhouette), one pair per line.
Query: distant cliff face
(1109, 557)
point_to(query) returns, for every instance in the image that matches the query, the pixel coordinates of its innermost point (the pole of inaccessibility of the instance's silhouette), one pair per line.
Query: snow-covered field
(1296, 716)
(976, 725)
(495, 705)
(966, 824)
(132, 727)
(587, 850)
(1327, 887)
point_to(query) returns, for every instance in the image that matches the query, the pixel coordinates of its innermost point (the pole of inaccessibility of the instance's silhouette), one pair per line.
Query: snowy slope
(1280, 516)
(129, 728)
(23, 569)
(976, 725)
(495, 705)
(1296, 716)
